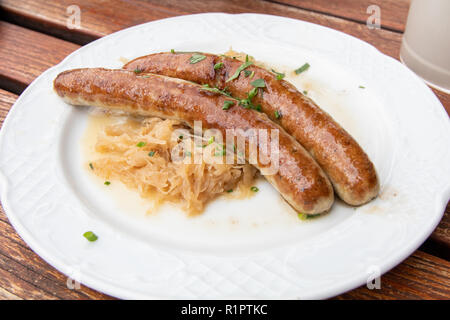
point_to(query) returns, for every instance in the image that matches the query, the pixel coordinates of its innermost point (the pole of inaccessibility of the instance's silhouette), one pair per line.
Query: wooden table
(34, 36)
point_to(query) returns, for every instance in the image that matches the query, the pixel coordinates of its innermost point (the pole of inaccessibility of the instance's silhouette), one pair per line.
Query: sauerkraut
(138, 152)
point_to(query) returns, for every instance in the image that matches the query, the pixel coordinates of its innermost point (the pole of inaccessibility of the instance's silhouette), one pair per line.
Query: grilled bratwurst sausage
(299, 179)
(349, 168)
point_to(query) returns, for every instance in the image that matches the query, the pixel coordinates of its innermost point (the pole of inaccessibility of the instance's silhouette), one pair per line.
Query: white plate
(253, 248)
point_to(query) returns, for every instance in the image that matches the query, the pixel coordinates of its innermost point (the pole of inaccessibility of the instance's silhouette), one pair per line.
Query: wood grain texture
(444, 98)
(393, 12)
(439, 242)
(442, 232)
(50, 16)
(42, 14)
(25, 54)
(6, 295)
(7, 99)
(421, 276)
(98, 18)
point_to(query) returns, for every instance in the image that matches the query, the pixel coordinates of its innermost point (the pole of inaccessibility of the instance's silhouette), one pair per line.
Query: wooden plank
(393, 12)
(439, 241)
(93, 15)
(421, 276)
(444, 98)
(20, 288)
(38, 283)
(40, 14)
(442, 232)
(97, 17)
(5, 295)
(25, 54)
(7, 99)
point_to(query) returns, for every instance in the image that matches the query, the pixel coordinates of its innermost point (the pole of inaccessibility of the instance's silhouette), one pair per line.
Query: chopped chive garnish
(137, 70)
(305, 92)
(245, 103)
(107, 183)
(229, 191)
(151, 153)
(216, 90)
(277, 114)
(238, 71)
(141, 144)
(183, 52)
(227, 104)
(196, 58)
(279, 75)
(305, 216)
(247, 73)
(302, 68)
(258, 83)
(211, 140)
(180, 137)
(362, 87)
(252, 93)
(91, 166)
(246, 58)
(90, 236)
(218, 65)
(254, 189)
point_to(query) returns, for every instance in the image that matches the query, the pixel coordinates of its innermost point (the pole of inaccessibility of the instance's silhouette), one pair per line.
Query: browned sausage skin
(347, 165)
(299, 179)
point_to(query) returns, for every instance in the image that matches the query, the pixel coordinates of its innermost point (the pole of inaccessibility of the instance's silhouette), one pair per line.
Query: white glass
(426, 42)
